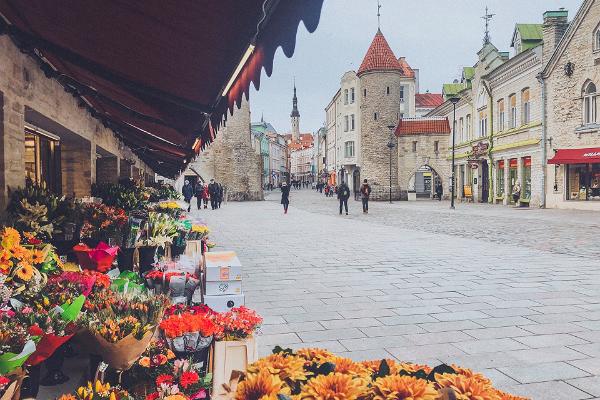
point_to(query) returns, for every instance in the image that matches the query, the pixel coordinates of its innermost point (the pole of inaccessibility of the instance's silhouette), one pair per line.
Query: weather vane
(378, 15)
(487, 17)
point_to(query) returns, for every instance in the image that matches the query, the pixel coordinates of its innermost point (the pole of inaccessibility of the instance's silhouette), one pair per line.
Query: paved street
(513, 293)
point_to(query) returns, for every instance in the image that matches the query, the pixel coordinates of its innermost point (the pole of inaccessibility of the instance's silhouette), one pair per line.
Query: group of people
(204, 193)
(343, 194)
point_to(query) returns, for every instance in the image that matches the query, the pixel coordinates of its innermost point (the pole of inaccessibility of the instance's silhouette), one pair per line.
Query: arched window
(597, 39)
(590, 96)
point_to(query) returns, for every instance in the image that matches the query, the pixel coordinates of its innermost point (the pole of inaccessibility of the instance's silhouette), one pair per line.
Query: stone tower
(295, 117)
(380, 77)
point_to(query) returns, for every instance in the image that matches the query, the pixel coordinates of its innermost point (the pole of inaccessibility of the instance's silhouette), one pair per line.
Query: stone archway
(423, 181)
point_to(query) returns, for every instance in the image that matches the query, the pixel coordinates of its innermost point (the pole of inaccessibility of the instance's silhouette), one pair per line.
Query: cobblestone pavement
(512, 293)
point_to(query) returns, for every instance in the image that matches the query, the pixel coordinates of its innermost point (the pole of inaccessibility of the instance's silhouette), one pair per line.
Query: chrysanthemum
(467, 388)
(333, 387)
(10, 238)
(506, 396)
(286, 367)
(261, 386)
(396, 387)
(410, 367)
(349, 367)
(315, 355)
(374, 365)
(470, 374)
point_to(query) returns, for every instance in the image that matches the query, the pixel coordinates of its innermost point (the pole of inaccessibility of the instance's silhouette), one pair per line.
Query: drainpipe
(491, 186)
(540, 78)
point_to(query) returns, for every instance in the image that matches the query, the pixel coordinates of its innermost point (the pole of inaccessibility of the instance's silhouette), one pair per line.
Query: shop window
(512, 100)
(500, 178)
(42, 160)
(589, 103)
(526, 190)
(513, 175)
(501, 115)
(583, 182)
(349, 149)
(525, 107)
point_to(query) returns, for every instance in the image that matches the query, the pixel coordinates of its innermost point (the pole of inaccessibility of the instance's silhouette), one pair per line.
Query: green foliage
(164, 192)
(125, 197)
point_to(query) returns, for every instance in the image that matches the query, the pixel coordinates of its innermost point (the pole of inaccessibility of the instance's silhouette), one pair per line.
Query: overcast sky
(438, 37)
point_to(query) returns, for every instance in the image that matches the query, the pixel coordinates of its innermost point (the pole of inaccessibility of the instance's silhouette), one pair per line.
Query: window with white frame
(345, 96)
(525, 107)
(512, 100)
(352, 122)
(590, 97)
(469, 123)
(351, 95)
(401, 94)
(346, 123)
(482, 123)
(501, 115)
(461, 129)
(597, 39)
(349, 149)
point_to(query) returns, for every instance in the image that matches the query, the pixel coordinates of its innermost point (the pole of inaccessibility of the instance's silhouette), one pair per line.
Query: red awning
(155, 71)
(576, 156)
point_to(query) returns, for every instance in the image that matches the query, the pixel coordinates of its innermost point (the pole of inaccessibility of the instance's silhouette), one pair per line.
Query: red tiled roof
(418, 126)
(406, 69)
(306, 140)
(379, 57)
(428, 100)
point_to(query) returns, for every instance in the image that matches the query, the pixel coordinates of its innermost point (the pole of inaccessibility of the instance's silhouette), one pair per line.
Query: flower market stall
(120, 279)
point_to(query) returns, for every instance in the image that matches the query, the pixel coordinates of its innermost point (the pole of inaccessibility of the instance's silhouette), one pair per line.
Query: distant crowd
(204, 193)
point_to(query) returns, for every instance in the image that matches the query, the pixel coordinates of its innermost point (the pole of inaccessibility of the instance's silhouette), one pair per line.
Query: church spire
(295, 116)
(295, 112)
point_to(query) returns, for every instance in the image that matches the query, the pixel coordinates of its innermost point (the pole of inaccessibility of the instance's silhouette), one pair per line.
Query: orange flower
(285, 367)
(10, 238)
(176, 397)
(470, 374)
(396, 387)
(145, 362)
(349, 367)
(467, 388)
(38, 256)
(333, 387)
(506, 396)
(261, 386)
(315, 355)
(67, 397)
(170, 354)
(24, 272)
(373, 366)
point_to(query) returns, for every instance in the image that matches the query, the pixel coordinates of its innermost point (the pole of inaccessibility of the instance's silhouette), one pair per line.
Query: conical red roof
(379, 57)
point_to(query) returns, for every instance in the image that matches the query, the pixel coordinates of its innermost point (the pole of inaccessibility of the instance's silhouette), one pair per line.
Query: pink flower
(201, 394)
(27, 310)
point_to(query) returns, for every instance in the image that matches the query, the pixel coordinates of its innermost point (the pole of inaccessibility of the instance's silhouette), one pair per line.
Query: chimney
(554, 27)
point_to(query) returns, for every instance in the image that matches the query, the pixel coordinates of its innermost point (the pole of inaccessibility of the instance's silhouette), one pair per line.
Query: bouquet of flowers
(164, 192)
(15, 343)
(99, 391)
(316, 374)
(123, 331)
(155, 361)
(238, 323)
(182, 382)
(10, 383)
(161, 228)
(171, 208)
(188, 331)
(102, 222)
(198, 232)
(99, 258)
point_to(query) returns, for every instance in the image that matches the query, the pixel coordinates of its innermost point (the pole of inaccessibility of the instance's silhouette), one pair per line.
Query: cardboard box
(222, 259)
(228, 357)
(223, 274)
(225, 302)
(223, 287)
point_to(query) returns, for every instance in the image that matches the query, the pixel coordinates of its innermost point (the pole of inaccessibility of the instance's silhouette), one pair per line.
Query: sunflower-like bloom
(350, 367)
(373, 365)
(410, 367)
(470, 374)
(396, 387)
(10, 238)
(315, 355)
(24, 272)
(467, 388)
(285, 367)
(261, 386)
(506, 396)
(334, 386)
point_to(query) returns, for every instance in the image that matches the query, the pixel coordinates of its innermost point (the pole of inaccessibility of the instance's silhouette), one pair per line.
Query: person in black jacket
(343, 194)
(285, 196)
(365, 191)
(188, 193)
(213, 190)
(220, 198)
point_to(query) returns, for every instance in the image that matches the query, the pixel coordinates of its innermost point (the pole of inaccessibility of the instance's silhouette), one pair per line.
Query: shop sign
(473, 164)
(480, 149)
(592, 154)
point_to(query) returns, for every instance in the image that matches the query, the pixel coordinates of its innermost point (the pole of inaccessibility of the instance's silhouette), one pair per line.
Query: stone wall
(565, 106)
(28, 96)
(375, 133)
(231, 160)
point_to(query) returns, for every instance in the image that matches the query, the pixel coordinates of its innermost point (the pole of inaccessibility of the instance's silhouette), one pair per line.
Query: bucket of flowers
(122, 332)
(97, 391)
(102, 223)
(160, 230)
(16, 344)
(189, 331)
(183, 381)
(99, 258)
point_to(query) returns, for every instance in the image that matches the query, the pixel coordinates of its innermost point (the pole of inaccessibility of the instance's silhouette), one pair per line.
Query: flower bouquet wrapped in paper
(98, 390)
(15, 343)
(122, 332)
(183, 381)
(10, 384)
(99, 258)
(189, 331)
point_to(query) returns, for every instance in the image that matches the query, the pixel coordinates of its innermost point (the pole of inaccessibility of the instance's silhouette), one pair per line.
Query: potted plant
(160, 231)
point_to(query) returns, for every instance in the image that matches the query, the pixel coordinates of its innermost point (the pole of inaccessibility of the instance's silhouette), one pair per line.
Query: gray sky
(438, 37)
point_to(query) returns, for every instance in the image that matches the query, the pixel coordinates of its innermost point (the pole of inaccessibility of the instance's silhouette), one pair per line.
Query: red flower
(152, 396)
(4, 381)
(164, 378)
(188, 378)
(35, 330)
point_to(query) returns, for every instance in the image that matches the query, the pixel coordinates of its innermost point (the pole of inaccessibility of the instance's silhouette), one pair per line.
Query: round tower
(380, 77)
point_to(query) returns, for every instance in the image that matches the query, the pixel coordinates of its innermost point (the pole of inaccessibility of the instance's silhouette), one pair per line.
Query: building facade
(572, 132)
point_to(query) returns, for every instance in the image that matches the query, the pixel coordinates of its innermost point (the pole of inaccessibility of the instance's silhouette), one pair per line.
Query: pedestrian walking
(198, 190)
(327, 191)
(188, 193)
(205, 195)
(516, 193)
(220, 197)
(439, 191)
(365, 192)
(343, 194)
(285, 196)
(213, 191)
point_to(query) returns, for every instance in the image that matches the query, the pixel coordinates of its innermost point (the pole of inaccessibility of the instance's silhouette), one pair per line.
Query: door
(356, 183)
(485, 182)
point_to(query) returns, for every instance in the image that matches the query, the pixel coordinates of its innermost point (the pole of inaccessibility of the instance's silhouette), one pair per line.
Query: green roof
(451, 89)
(468, 73)
(530, 32)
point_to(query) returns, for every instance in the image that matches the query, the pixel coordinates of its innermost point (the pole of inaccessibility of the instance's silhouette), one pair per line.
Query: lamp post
(391, 146)
(453, 100)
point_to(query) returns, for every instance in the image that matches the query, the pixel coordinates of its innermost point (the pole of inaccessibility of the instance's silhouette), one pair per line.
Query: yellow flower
(467, 388)
(396, 387)
(261, 386)
(24, 272)
(144, 362)
(286, 367)
(176, 397)
(10, 238)
(38, 256)
(170, 354)
(315, 355)
(67, 397)
(333, 387)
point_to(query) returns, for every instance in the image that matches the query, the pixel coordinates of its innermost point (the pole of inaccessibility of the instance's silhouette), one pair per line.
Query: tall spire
(378, 16)
(487, 17)
(295, 112)
(295, 116)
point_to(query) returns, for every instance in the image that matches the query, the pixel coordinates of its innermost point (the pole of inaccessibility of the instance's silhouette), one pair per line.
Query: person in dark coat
(198, 189)
(205, 195)
(213, 191)
(365, 192)
(343, 194)
(220, 198)
(439, 191)
(188, 193)
(285, 196)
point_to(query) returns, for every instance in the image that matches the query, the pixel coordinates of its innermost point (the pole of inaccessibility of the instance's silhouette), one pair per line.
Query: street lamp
(391, 146)
(453, 100)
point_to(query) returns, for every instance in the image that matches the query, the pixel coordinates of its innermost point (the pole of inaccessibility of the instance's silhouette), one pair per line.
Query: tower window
(387, 90)
(436, 146)
(375, 116)
(364, 92)
(414, 147)
(401, 94)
